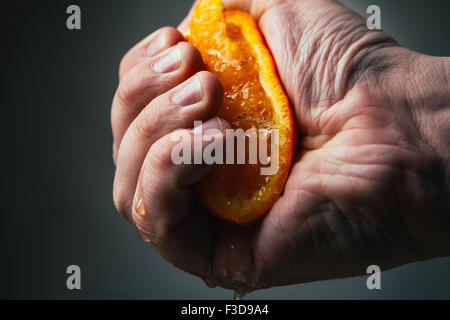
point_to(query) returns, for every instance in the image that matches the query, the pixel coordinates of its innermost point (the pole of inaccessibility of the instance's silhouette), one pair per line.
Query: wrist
(419, 94)
(427, 94)
(420, 84)
(429, 97)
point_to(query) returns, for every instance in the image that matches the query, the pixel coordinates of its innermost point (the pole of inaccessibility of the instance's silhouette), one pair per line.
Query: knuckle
(143, 125)
(121, 202)
(158, 157)
(160, 152)
(148, 122)
(125, 91)
(124, 63)
(170, 32)
(138, 83)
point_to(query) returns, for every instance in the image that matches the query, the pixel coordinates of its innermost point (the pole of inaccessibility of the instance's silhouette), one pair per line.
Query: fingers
(151, 46)
(198, 98)
(171, 166)
(163, 210)
(147, 80)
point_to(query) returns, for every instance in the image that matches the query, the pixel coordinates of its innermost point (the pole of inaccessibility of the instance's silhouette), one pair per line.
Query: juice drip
(211, 284)
(238, 296)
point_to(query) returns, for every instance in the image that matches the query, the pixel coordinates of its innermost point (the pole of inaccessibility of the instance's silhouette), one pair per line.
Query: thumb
(321, 48)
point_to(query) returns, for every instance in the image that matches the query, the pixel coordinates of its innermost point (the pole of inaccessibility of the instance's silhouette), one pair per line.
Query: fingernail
(189, 93)
(140, 208)
(214, 123)
(144, 237)
(169, 61)
(156, 45)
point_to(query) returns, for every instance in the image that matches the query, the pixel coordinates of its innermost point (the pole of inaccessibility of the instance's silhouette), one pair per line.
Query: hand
(371, 182)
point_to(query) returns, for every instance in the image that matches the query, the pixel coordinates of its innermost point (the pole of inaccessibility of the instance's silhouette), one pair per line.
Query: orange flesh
(234, 50)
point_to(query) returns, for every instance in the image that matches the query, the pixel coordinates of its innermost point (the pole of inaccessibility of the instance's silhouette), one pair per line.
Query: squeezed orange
(233, 48)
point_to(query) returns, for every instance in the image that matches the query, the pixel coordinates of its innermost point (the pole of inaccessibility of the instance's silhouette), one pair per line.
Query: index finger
(152, 45)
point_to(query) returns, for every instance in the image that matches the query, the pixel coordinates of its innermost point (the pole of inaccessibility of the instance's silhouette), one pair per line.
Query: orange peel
(233, 48)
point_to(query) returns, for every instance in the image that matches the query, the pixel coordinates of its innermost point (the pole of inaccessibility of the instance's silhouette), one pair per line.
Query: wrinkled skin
(370, 184)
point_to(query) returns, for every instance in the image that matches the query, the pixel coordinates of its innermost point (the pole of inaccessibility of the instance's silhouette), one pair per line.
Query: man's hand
(371, 182)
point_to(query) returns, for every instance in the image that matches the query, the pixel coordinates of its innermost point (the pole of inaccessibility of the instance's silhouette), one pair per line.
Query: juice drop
(211, 284)
(238, 296)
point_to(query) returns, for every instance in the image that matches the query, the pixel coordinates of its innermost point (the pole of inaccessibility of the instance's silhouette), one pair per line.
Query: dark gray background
(57, 173)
